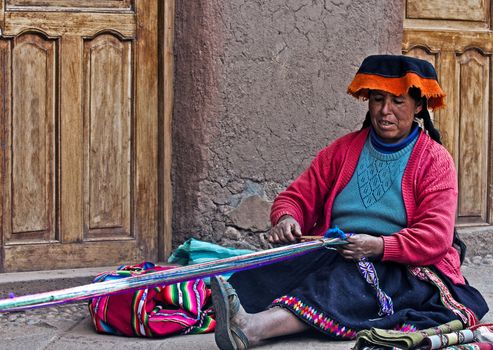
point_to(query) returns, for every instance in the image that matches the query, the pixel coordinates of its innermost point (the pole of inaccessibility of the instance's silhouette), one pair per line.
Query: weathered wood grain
(85, 174)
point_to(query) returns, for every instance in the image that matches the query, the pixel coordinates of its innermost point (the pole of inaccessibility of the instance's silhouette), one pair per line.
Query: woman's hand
(362, 246)
(287, 229)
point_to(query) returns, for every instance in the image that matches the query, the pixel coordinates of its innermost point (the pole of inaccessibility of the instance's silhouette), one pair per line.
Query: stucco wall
(260, 87)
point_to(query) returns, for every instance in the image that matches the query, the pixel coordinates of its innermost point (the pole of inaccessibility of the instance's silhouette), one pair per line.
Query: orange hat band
(363, 82)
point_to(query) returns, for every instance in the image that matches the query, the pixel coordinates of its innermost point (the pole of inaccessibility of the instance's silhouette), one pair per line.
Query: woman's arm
(430, 233)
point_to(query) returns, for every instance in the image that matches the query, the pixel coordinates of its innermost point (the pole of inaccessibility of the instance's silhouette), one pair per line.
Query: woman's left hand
(362, 246)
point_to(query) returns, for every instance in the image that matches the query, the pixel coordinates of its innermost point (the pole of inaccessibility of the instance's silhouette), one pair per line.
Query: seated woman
(392, 186)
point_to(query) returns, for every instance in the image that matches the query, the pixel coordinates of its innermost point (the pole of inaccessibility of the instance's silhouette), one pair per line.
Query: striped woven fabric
(181, 308)
(466, 315)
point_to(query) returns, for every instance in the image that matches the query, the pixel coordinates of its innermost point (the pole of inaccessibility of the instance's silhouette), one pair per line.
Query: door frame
(166, 18)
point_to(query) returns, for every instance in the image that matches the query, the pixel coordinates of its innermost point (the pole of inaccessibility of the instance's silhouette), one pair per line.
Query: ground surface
(69, 327)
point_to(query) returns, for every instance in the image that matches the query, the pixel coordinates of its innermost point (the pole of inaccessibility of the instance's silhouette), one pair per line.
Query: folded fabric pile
(160, 311)
(448, 336)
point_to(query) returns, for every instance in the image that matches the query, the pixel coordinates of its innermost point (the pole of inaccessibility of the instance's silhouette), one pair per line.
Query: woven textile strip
(139, 316)
(315, 317)
(179, 308)
(443, 340)
(367, 270)
(378, 338)
(465, 314)
(406, 328)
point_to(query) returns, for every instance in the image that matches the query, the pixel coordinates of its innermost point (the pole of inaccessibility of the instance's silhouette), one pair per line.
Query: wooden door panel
(109, 157)
(68, 5)
(467, 10)
(71, 136)
(473, 140)
(25, 257)
(455, 16)
(71, 24)
(30, 170)
(424, 54)
(6, 137)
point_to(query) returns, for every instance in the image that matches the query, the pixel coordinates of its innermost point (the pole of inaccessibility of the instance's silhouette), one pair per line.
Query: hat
(396, 74)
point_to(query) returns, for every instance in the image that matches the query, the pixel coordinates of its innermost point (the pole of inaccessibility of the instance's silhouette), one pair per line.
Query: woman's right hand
(287, 229)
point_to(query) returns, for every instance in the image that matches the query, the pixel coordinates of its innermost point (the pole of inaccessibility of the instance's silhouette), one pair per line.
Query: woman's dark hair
(415, 93)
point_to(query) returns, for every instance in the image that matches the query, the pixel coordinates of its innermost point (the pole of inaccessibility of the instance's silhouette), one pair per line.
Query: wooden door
(456, 37)
(79, 133)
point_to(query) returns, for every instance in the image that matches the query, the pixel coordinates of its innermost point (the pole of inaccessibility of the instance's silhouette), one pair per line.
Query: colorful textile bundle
(383, 338)
(483, 339)
(443, 340)
(449, 336)
(180, 308)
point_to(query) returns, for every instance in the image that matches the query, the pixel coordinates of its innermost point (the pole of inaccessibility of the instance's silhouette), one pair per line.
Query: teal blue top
(372, 201)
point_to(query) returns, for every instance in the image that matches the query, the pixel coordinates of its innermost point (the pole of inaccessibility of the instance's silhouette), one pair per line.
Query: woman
(394, 187)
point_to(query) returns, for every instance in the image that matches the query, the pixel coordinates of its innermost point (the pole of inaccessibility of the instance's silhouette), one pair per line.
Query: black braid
(415, 93)
(428, 124)
(367, 121)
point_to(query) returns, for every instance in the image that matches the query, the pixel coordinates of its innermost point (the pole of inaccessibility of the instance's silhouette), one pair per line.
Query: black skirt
(329, 293)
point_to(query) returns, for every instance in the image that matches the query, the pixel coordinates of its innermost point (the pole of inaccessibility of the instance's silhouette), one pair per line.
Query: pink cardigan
(429, 189)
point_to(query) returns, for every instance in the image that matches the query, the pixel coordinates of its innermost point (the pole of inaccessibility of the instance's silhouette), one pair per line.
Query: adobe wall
(260, 87)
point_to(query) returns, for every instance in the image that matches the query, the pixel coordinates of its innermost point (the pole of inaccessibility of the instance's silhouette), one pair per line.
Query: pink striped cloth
(181, 308)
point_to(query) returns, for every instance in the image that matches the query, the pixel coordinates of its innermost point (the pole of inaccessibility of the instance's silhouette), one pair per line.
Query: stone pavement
(69, 326)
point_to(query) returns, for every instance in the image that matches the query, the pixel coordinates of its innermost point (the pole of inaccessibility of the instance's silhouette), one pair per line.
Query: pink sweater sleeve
(428, 239)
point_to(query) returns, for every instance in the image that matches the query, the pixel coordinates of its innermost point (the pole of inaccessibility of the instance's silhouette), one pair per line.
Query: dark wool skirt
(328, 292)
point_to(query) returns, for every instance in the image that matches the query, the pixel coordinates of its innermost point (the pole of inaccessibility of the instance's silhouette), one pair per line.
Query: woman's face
(392, 116)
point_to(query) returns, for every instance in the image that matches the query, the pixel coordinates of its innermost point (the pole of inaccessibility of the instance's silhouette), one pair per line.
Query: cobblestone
(478, 260)
(68, 312)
